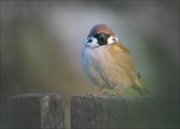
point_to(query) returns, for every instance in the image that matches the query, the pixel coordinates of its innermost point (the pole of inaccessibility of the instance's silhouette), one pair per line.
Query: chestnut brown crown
(101, 28)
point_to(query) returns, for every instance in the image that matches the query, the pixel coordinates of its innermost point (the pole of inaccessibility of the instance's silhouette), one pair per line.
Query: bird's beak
(102, 37)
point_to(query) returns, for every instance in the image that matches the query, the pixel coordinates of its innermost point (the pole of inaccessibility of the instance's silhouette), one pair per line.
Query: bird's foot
(118, 92)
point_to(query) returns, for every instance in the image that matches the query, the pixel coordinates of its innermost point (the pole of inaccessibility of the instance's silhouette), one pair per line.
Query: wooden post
(37, 111)
(113, 112)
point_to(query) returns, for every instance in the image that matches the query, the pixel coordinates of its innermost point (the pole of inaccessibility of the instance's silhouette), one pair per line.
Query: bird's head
(100, 35)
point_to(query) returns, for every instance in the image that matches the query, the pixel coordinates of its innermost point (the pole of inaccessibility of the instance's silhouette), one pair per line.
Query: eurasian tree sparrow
(108, 63)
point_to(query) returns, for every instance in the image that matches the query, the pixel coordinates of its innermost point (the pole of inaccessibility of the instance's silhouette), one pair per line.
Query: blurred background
(42, 41)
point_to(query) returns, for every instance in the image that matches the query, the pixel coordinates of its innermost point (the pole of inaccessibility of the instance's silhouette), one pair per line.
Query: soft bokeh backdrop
(42, 41)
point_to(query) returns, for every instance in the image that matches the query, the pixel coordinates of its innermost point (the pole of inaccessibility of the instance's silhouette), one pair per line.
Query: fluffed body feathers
(108, 63)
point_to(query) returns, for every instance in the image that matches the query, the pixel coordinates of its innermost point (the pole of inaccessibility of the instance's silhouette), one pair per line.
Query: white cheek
(112, 40)
(116, 38)
(93, 42)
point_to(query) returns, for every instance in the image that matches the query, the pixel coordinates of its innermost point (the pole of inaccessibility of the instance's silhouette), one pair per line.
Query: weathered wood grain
(113, 112)
(37, 111)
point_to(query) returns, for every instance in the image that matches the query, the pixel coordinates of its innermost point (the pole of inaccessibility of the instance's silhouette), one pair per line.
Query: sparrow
(108, 63)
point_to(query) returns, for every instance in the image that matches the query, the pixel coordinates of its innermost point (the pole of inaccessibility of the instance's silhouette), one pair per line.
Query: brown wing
(124, 60)
(128, 63)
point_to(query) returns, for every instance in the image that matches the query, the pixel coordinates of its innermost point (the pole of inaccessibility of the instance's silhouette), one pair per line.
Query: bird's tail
(140, 88)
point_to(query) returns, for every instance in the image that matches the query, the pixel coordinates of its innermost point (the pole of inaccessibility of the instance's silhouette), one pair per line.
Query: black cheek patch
(89, 41)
